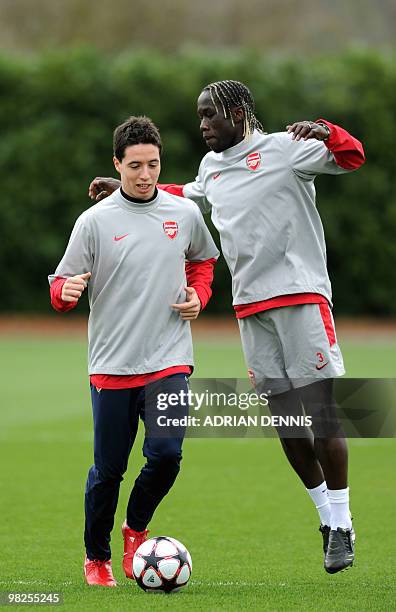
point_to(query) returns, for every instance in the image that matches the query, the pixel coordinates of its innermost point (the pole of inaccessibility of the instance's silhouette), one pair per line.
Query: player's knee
(324, 418)
(105, 474)
(165, 453)
(170, 456)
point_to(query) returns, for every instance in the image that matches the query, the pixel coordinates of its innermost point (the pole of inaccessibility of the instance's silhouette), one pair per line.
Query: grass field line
(235, 583)
(197, 583)
(46, 583)
(192, 583)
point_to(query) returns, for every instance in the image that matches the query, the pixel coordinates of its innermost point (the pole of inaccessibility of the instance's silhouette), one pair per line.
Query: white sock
(320, 499)
(339, 507)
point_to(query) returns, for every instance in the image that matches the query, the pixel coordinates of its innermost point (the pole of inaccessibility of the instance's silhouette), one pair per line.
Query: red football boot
(132, 540)
(99, 572)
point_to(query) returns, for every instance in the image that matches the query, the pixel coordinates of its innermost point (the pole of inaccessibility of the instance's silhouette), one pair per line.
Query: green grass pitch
(238, 507)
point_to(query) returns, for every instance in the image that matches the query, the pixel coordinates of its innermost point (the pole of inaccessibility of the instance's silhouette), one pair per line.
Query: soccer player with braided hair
(232, 94)
(260, 190)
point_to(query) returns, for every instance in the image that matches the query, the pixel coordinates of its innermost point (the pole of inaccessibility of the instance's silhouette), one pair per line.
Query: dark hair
(231, 94)
(134, 131)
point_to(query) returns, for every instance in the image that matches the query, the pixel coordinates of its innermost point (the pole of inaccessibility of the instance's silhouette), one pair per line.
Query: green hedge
(57, 114)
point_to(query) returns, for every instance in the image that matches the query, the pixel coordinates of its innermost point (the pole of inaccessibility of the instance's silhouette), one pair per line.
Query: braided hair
(231, 94)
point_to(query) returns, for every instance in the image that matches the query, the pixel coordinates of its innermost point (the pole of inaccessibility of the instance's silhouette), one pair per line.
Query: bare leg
(333, 457)
(300, 452)
(329, 442)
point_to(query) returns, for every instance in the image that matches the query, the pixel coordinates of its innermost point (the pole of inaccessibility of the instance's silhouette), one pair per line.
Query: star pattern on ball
(151, 560)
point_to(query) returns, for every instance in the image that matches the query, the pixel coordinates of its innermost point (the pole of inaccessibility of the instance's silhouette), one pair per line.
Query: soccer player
(260, 190)
(134, 251)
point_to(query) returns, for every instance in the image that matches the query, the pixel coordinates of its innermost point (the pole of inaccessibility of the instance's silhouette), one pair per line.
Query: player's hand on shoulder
(308, 129)
(190, 309)
(74, 286)
(101, 187)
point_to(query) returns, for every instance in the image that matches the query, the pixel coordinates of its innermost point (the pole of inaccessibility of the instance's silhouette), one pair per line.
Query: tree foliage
(57, 114)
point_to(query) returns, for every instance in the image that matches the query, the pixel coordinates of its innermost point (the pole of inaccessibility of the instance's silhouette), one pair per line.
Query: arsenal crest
(253, 161)
(170, 228)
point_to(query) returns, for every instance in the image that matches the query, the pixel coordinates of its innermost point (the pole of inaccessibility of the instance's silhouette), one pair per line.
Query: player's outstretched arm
(348, 152)
(101, 187)
(190, 309)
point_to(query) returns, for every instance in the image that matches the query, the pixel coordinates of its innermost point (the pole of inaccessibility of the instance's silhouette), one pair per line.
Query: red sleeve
(200, 276)
(348, 151)
(56, 296)
(171, 188)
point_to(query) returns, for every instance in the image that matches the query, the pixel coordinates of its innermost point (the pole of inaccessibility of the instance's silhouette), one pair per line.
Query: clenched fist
(74, 287)
(190, 309)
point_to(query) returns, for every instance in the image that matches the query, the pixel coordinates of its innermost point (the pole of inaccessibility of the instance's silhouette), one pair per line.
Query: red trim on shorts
(245, 310)
(128, 381)
(328, 323)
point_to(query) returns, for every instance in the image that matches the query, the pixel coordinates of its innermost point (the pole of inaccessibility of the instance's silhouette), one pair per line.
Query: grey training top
(136, 253)
(262, 196)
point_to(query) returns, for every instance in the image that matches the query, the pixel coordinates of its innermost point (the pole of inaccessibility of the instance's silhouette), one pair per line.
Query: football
(162, 564)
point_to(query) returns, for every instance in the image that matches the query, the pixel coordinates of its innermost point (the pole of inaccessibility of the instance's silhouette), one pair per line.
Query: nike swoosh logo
(117, 238)
(320, 367)
(216, 176)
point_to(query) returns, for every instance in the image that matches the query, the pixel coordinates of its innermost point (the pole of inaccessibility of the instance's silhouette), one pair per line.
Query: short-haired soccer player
(260, 190)
(148, 264)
